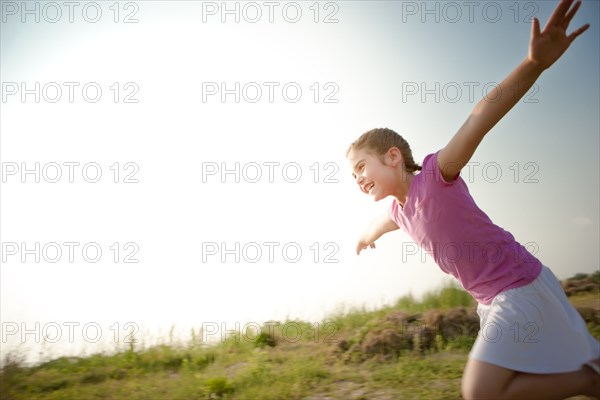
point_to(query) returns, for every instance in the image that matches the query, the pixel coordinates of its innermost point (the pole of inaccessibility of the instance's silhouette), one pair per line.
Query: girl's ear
(394, 156)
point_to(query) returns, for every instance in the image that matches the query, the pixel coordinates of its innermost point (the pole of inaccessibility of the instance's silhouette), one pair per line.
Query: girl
(557, 358)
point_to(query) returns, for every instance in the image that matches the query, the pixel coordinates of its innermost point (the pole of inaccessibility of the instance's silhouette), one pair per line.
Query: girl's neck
(403, 188)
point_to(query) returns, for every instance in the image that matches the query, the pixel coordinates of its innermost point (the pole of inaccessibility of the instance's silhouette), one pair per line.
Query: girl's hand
(362, 245)
(548, 46)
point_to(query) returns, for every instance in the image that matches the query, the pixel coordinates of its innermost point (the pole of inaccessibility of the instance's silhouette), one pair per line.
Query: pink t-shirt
(444, 220)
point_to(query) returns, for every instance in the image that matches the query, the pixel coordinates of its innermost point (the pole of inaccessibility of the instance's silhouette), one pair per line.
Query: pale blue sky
(368, 57)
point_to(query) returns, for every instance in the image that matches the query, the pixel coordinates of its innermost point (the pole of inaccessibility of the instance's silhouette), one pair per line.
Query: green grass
(447, 297)
(276, 364)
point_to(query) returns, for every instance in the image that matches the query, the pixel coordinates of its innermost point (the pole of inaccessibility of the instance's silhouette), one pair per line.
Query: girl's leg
(482, 380)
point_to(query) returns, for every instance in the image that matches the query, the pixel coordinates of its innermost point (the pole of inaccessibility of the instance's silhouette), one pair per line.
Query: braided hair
(380, 140)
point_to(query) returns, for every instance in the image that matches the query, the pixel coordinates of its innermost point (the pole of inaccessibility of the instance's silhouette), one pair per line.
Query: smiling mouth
(369, 187)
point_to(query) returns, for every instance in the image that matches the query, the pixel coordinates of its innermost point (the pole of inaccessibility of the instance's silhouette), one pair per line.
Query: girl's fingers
(578, 32)
(559, 12)
(570, 15)
(535, 28)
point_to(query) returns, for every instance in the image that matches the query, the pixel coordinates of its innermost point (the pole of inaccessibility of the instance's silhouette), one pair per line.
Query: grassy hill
(412, 350)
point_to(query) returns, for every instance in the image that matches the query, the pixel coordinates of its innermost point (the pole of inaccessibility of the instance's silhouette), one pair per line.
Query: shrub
(218, 386)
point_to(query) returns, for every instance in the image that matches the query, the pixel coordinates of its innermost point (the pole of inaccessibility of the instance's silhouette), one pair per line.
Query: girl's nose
(359, 180)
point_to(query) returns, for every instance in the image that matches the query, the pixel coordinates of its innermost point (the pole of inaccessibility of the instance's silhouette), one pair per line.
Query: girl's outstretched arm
(377, 228)
(545, 47)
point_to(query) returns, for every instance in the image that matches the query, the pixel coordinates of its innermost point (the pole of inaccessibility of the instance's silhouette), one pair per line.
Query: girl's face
(375, 177)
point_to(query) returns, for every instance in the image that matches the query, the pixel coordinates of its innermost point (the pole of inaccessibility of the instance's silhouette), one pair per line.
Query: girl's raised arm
(545, 48)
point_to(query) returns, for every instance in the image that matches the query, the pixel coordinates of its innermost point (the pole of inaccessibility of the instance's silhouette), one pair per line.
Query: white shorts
(534, 329)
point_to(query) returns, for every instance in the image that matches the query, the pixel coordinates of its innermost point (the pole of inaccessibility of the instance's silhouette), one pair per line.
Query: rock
(387, 342)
